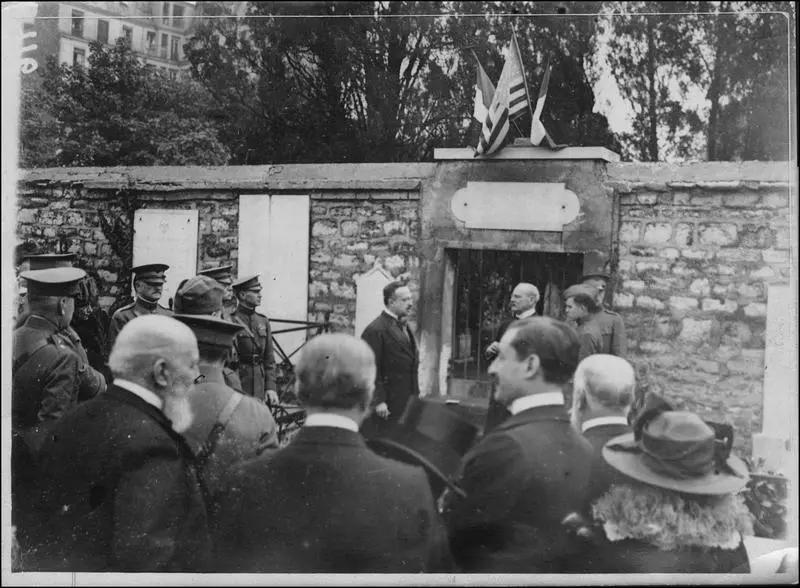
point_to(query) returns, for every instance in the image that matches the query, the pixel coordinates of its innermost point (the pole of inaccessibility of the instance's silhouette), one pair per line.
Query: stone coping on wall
(529, 152)
(721, 175)
(305, 177)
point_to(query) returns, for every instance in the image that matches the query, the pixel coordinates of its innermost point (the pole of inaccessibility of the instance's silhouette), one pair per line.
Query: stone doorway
(482, 281)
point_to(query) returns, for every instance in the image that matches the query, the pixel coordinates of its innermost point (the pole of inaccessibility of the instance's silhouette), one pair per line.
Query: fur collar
(669, 520)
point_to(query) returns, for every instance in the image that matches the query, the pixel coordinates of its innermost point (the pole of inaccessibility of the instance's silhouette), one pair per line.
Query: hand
(382, 410)
(492, 349)
(272, 397)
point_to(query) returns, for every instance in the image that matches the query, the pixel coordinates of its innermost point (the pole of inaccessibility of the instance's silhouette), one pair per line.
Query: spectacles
(199, 379)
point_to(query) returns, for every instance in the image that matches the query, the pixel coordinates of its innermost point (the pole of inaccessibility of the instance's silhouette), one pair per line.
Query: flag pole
(524, 77)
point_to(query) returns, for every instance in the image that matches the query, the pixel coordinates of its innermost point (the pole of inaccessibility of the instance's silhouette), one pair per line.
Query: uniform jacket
(119, 492)
(327, 503)
(253, 353)
(603, 475)
(93, 333)
(612, 330)
(595, 335)
(250, 431)
(397, 362)
(128, 312)
(50, 372)
(521, 480)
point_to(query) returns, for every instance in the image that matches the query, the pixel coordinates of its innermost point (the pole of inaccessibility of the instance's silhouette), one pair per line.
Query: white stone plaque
(521, 206)
(369, 296)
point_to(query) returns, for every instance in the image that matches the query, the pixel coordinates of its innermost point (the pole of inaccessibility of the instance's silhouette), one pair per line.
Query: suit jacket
(119, 492)
(397, 361)
(521, 480)
(603, 475)
(327, 503)
(250, 431)
(496, 413)
(127, 313)
(253, 352)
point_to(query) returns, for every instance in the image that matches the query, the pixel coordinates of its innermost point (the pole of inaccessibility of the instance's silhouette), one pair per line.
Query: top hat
(430, 434)
(199, 295)
(247, 283)
(150, 272)
(210, 329)
(221, 274)
(50, 260)
(58, 281)
(678, 451)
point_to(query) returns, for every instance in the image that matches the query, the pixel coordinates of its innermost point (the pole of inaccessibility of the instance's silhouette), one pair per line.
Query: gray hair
(529, 290)
(336, 371)
(609, 380)
(144, 340)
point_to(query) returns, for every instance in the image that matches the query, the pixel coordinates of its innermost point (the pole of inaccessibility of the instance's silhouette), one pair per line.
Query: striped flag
(484, 92)
(509, 102)
(538, 132)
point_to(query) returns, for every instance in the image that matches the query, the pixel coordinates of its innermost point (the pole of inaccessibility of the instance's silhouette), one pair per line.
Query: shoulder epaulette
(126, 307)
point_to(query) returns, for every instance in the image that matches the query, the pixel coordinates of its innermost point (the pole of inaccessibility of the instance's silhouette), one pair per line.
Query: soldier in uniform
(223, 276)
(580, 306)
(202, 295)
(610, 321)
(148, 283)
(253, 344)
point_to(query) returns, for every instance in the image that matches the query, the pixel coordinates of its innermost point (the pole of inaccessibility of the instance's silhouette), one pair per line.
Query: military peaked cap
(150, 272)
(247, 283)
(57, 281)
(221, 274)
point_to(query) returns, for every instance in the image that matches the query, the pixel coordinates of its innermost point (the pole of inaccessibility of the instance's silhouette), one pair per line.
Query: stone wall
(698, 246)
(350, 232)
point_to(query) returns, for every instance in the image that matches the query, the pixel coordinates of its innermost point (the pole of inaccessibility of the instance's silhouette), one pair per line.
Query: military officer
(202, 295)
(223, 275)
(50, 369)
(148, 283)
(610, 322)
(253, 344)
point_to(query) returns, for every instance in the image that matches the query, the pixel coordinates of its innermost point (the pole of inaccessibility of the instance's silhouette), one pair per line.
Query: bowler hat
(210, 329)
(678, 451)
(57, 281)
(50, 260)
(150, 272)
(199, 295)
(246, 283)
(430, 434)
(221, 274)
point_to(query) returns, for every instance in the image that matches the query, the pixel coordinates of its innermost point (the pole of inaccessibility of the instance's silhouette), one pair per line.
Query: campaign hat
(199, 295)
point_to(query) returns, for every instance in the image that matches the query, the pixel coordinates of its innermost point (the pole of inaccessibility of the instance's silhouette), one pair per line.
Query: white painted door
(273, 242)
(170, 237)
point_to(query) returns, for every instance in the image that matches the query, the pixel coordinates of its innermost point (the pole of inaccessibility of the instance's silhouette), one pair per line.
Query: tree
(117, 111)
(386, 81)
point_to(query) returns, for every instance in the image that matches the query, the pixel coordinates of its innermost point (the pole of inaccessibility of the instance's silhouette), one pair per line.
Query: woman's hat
(678, 451)
(431, 434)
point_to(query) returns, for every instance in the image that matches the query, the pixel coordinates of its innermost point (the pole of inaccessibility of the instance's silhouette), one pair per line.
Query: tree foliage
(117, 111)
(385, 81)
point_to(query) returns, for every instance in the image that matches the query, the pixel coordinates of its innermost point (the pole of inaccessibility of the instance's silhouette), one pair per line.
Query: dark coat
(253, 353)
(496, 413)
(615, 331)
(127, 313)
(119, 492)
(603, 475)
(397, 361)
(521, 480)
(326, 503)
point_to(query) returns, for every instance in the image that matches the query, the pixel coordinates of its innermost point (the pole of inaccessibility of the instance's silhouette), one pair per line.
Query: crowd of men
(171, 461)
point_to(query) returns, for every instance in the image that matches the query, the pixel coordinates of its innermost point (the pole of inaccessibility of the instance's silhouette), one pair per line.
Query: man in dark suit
(602, 396)
(523, 478)
(523, 302)
(118, 491)
(326, 502)
(396, 355)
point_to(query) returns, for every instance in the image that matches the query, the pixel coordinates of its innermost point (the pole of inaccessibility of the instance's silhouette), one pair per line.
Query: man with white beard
(118, 489)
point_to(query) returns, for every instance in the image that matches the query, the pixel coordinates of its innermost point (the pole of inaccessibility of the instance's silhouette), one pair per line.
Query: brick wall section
(350, 232)
(695, 260)
(68, 219)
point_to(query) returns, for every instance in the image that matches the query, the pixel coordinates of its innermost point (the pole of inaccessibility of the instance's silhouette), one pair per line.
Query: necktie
(402, 326)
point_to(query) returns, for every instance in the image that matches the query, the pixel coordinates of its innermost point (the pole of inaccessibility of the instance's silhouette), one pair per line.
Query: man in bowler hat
(148, 283)
(326, 502)
(524, 477)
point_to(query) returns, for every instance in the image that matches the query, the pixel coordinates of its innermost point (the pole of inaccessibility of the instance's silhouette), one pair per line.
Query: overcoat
(603, 475)
(520, 481)
(129, 312)
(327, 503)
(118, 492)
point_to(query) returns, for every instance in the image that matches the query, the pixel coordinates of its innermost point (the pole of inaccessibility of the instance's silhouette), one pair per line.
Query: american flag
(509, 102)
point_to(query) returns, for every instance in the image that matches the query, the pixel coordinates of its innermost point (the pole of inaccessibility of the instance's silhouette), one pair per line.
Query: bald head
(524, 297)
(336, 371)
(603, 384)
(152, 349)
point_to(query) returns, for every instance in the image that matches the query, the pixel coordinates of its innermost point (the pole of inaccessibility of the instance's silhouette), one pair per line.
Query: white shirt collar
(534, 400)
(391, 314)
(526, 313)
(606, 420)
(140, 391)
(321, 419)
